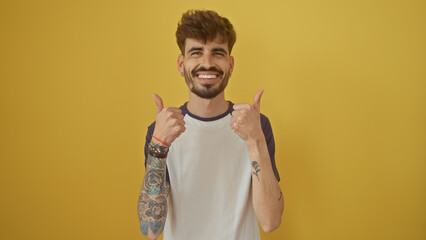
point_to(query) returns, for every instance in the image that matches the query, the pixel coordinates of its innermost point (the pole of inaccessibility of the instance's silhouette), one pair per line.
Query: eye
(195, 53)
(219, 54)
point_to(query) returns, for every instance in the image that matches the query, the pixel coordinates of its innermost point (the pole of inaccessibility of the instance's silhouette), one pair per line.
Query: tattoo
(154, 178)
(155, 227)
(156, 209)
(281, 195)
(143, 201)
(152, 204)
(256, 169)
(158, 164)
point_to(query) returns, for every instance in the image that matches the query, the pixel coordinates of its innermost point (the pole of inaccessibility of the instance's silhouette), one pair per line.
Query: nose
(207, 61)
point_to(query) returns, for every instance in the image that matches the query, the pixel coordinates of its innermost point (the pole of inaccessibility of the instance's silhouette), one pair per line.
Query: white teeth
(206, 76)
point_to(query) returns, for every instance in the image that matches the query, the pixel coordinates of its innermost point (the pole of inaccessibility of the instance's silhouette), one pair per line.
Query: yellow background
(344, 88)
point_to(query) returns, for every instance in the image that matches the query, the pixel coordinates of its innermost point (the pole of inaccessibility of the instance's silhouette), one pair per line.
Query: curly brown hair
(204, 25)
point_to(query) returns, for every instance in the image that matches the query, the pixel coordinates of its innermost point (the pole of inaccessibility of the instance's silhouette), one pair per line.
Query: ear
(180, 64)
(232, 65)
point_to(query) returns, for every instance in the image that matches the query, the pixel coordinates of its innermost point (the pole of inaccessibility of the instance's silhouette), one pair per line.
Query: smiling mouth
(207, 76)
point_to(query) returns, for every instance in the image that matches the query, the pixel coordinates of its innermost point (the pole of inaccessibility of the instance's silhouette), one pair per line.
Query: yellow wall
(344, 88)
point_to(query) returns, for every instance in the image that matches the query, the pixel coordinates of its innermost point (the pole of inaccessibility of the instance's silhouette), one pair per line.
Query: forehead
(218, 42)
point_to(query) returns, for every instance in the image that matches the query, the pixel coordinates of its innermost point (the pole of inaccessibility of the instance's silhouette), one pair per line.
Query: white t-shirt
(210, 177)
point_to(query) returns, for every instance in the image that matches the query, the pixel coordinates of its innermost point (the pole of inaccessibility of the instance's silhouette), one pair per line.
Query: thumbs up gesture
(245, 120)
(169, 123)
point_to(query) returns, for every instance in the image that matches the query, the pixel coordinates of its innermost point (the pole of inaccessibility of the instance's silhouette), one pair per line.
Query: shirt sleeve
(270, 142)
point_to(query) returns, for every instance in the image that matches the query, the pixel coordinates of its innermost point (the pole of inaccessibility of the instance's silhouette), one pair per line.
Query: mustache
(212, 69)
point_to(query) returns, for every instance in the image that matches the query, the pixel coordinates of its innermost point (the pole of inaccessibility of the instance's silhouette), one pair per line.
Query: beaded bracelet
(157, 150)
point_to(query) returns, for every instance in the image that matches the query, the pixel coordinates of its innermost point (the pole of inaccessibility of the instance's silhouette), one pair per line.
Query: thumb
(158, 102)
(256, 100)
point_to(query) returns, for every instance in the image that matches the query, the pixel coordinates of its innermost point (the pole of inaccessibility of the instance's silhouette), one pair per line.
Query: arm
(152, 204)
(268, 202)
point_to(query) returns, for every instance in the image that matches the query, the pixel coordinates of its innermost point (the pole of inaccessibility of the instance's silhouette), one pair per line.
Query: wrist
(255, 142)
(157, 149)
(159, 141)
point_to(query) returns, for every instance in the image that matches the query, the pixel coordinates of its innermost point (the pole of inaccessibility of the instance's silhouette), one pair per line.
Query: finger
(235, 116)
(180, 122)
(240, 112)
(158, 102)
(175, 115)
(173, 109)
(241, 106)
(256, 100)
(179, 129)
(232, 125)
(180, 116)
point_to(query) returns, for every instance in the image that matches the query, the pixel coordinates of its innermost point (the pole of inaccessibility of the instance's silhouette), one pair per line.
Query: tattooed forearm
(152, 204)
(154, 178)
(256, 169)
(152, 213)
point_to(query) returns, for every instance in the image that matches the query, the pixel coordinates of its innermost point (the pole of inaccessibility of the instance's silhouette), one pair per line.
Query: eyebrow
(195, 49)
(219, 49)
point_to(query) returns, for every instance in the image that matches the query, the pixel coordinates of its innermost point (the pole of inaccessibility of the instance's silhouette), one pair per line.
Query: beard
(207, 91)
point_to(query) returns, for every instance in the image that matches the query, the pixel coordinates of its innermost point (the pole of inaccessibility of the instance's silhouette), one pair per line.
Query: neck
(207, 108)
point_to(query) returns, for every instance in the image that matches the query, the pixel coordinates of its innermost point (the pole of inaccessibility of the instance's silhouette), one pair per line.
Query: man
(220, 179)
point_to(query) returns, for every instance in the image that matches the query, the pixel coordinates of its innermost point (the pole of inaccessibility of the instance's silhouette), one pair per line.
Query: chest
(208, 155)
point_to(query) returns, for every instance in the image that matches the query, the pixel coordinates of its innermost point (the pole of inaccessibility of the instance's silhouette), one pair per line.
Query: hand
(169, 123)
(245, 120)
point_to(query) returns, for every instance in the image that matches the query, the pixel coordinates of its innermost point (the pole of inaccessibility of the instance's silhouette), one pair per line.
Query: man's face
(206, 66)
